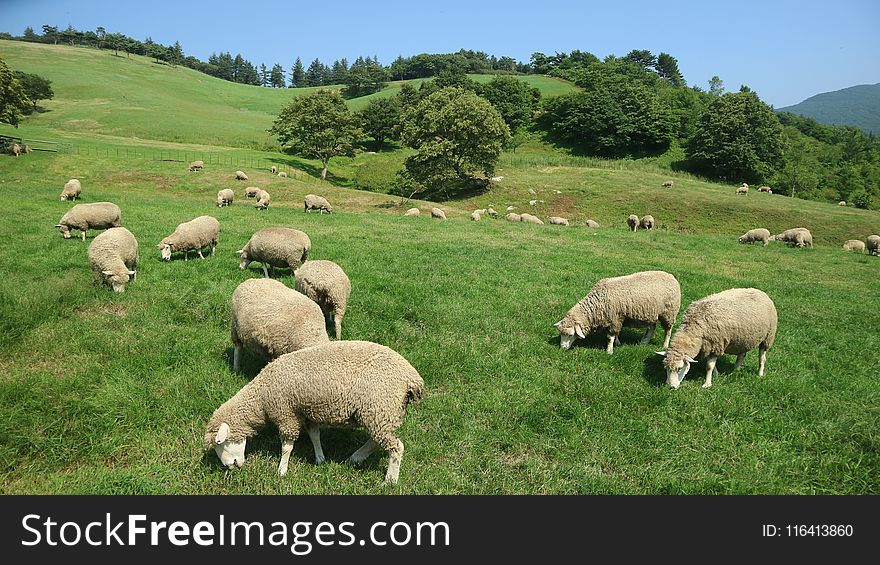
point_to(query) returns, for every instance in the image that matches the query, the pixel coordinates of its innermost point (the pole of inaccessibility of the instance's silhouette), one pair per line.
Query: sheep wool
(276, 247)
(113, 257)
(314, 202)
(72, 190)
(592, 224)
(412, 212)
(96, 216)
(638, 300)
(530, 219)
(513, 217)
(196, 166)
(556, 220)
(854, 245)
(647, 222)
(797, 237)
(734, 321)
(282, 174)
(475, 216)
(757, 234)
(251, 191)
(874, 244)
(668, 184)
(438, 213)
(193, 235)
(225, 197)
(491, 211)
(239, 175)
(263, 200)
(274, 169)
(270, 319)
(633, 222)
(327, 284)
(342, 383)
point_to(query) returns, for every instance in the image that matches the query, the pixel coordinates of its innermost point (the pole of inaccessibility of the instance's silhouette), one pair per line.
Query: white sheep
(765, 188)
(633, 222)
(638, 300)
(475, 216)
(327, 284)
(239, 175)
(511, 208)
(269, 319)
(196, 166)
(438, 213)
(83, 217)
(314, 202)
(874, 244)
(668, 184)
(251, 191)
(282, 174)
(647, 222)
(743, 189)
(530, 219)
(263, 200)
(533, 202)
(592, 224)
(412, 212)
(734, 322)
(225, 197)
(72, 190)
(192, 235)
(342, 383)
(14, 149)
(556, 220)
(854, 245)
(513, 217)
(797, 237)
(274, 169)
(757, 234)
(113, 257)
(276, 247)
(491, 211)
(842, 203)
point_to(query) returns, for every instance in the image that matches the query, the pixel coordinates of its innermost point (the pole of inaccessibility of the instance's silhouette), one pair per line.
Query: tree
(276, 76)
(365, 77)
(380, 118)
(175, 53)
(14, 102)
(513, 98)
(667, 68)
(339, 74)
(35, 87)
(29, 34)
(319, 126)
(716, 86)
(264, 75)
(457, 135)
(297, 74)
(51, 33)
(315, 74)
(643, 58)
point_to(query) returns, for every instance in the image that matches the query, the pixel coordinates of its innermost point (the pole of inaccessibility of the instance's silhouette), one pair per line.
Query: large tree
(365, 77)
(319, 126)
(513, 98)
(380, 118)
(14, 102)
(667, 68)
(297, 74)
(276, 76)
(35, 87)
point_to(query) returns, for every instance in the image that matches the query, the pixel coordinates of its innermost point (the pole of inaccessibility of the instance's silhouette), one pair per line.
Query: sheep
(269, 319)
(513, 217)
(313, 202)
(225, 197)
(282, 174)
(341, 383)
(798, 237)
(327, 284)
(854, 245)
(491, 211)
(528, 218)
(592, 224)
(533, 202)
(742, 190)
(668, 184)
(734, 321)
(72, 190)
(195, 166)
(25, 148)
(842, 203)
(113, 257)
(274, 169)
(874, 244)
(239, 175)
(481, 211)
(556, 220)
(14, 149)
(765, 188)
(412, 212)
(475, 216)
(251, 191)
(192, 235)
(757, 234)
(276, 247)
(638, 300)
(263, 200)
(647, 222)
(96, 216)
(511, 208)
(438, 213)
(633, 222)
(496, 179)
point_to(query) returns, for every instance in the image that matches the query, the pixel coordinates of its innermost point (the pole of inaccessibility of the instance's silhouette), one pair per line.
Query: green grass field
(109, 393)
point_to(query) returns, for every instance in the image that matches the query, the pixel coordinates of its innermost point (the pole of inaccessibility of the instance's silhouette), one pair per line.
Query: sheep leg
(395, 455)
(363, 452)
(213, 246)
(710, 370)
(649, 333)
(83, 233)
(289, 431)
(739, 361)
(612, 339)
(762, 362)
(337, 319)
(265, 272)
(236, 359)
(186, 255)
(286, 450)
(200, 254)
(314, 432)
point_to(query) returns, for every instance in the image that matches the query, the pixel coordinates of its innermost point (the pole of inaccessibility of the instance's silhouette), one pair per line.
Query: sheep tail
(415, 389)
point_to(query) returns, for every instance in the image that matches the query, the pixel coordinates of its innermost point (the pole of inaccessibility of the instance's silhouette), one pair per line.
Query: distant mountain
(857, 106)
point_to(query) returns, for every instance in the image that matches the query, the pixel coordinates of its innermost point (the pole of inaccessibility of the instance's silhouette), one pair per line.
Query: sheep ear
(579, 331)
(107, 273)
(58, 225)
(239, 252)
(558, 324)
(689, 359)
(661, 353)
(222, 433)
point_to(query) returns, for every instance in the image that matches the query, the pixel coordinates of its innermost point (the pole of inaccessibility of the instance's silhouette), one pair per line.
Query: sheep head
(569, 331)
(230, 452)
(677, 366)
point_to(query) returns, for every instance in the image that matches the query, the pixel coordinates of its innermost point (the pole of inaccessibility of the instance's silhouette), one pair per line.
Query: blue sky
(784, 50)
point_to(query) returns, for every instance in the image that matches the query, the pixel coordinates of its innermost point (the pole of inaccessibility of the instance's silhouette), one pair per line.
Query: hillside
(857, 106)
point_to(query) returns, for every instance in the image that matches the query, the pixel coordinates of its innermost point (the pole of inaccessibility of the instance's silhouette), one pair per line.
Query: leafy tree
(319, 126)
(643, 58)
(29, 34)
(380, 118)
(35, 87)
(276, 77)
(339, 73)
(297, 74)
(51, 33)
(513, 98)
(454, 77)
(175, 54)
(13, 100)
(365, 77)
(716, 86)
(667, 68)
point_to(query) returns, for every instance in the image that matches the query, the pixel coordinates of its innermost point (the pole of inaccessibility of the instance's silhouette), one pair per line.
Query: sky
(786, 51)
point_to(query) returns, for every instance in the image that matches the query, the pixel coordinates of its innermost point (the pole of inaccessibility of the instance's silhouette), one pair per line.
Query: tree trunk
(324, 171)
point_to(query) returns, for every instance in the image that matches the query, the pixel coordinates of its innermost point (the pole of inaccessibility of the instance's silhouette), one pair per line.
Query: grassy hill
(857, 106)
(109, 393)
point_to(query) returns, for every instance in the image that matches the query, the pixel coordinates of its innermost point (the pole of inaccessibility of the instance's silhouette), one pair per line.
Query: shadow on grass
(654, 372)
(599, 339)
(313, 170)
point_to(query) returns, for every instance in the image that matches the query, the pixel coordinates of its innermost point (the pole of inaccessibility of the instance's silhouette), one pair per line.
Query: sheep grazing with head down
(412, 212)
(225, 197)
(342, 383)
(251, 192)
(592, 224)
(196, 166)
(438, 213)
(842, 203)
(797, 237)
(757, 234)
(513, 217)
(239, 175)
(557, 221)
(475, 216)
(742, 189)
(765, 188)
(282, 174)
(269, 319)
(873, 244)
(113, 257)
(734, 322)
(668, 184)
(276, 247)
(72, 190)
(491, 211)
(638, 300)
(530, 219)
(327, 284)
(314, 202)
(96, 216)
(263, 200)
(854, 245)
(193, 235)
(633, 222)
(647, 222)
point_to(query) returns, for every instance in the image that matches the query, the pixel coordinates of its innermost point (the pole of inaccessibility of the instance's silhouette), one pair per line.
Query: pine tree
(276, 77)
(297, 75)
(264, 75)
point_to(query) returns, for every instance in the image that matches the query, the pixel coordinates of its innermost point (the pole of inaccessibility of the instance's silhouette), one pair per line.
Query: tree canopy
(35, 87)
(14, 102)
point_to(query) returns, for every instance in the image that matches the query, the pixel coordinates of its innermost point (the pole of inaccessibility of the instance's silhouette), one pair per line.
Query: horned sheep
(633, 222)
(647, 222)
(638, 300)
(314, 202)
(276, 247)
(854, 245)
(341, 383)
(113, 257)
(757, 234)
(195, 234)
(438, 213)
(556, 220)
(798, 237)
(240, 175)
(263, 200)
(734, 322)
(96, 216)
(72, 190)
(874, 244)
(327, 284)
(225, 197)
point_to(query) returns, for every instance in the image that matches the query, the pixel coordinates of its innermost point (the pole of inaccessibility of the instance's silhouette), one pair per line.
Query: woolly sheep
(251, 191)
(491, 211)
(113, 257)
(263, 200)
(633, 222)
(276, 247)
(765, 188)
(842, 203)
(734, 322)
(513, 217)
(274, 169)
(647, 222)
(239, 175)
(874, 244)
(438, 213)
(556, 220)
(195, 166)
(533, 202)
(341, 383)
(854, 245)
(668, 184)
(528, 218)
(192, 235)
(269, 319)
(225, 197)
(282, 174)
(412, 212)
(475, 216)
(757, 234)
(14, 149)
(96, 216)
(25, 148)
(592, 224)
(496, 179)
(742, 190)
(638, 300)
(72, 190)
(313, 202)
(798, 237)
(327, 284)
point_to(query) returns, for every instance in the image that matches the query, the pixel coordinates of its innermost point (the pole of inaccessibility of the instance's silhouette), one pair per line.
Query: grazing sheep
(14, 149)
(72, 190)
(113, 256)
(854, 245)
(239, 175)
(282, 174)
(765, 188)
(192, 235)
(251, 191)
(513, 217)
(83, 217)
(327, 284)
(438, 213)
(757, 234)
(313, 202)
(528, 218)
(734, 321)
(412, 212)
(638, 300)
(556, 220)
(475, 216)
(274, 169)
(842, 203)
(742, 190)
(491, 211)
(511, 208)
(647, 222)
(592, 224)
(195, 166)
(276, 247)
(633, 222)
(225, 197)
(342, 383)
(668, 184)
(874, 244)
(269, 319)
(263, 200)
(533, 202)
(798, 237)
